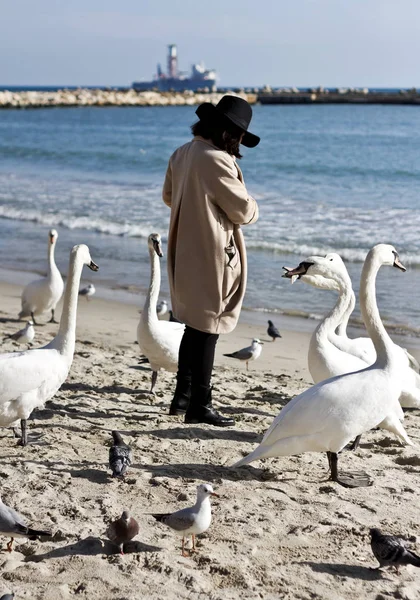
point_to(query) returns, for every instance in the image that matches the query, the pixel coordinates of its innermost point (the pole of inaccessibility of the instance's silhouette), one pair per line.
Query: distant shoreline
(100, 97)
(82, 97)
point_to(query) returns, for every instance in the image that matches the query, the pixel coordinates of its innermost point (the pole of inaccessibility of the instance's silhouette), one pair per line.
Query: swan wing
(29, 379)
(339, 408)
(42, 294)
(160, 342)
(361, 348)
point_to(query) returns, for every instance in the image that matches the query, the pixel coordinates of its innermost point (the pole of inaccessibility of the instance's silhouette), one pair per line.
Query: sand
(280, 529)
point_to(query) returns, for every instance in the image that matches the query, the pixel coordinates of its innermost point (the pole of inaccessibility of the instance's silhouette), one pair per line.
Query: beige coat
(207, 264)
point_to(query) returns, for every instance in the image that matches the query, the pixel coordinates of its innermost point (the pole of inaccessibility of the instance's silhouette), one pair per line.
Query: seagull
(87, 291)
(25, 335)
(390, 551)
(193, 520)
(272, 331)
(13, 524)
(123, 530)
(172, 318)
(119, 456)
(252, 352)
(7, 597)
(162, 308)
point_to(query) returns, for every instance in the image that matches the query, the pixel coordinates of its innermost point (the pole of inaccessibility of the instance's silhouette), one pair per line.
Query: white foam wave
(305, 250)
(74, 222)
(129, 229)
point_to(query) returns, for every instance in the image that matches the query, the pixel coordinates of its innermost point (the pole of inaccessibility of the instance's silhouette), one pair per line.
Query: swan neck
(66, 337)
(342, 327)
(335, 316)
(154, 287)
(51, 260)
(370, 312)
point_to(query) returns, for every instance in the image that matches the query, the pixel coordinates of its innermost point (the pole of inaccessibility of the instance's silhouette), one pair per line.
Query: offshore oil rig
(179, 81)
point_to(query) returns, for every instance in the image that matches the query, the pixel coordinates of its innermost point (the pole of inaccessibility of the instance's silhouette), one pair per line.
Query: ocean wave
(343, 172)
(74, 222)
(133, 230)
(356, 255)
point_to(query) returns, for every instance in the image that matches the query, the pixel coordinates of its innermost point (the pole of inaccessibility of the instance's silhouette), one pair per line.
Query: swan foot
(24, 439)
(52, 320)
(352, 479)
(16, 432)
(33, 319)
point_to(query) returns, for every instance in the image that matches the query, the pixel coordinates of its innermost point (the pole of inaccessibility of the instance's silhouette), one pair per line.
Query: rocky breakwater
(107, 97)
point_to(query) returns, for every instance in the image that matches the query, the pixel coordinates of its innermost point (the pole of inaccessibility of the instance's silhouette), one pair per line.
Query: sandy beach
(280, 529)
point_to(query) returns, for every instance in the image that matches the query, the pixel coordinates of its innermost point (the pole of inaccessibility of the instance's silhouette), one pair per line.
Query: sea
(333, 178)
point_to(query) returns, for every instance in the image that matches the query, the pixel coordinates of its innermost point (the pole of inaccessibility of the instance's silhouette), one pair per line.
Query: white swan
(159, 340)
(325, 359)
(328, 415)
(31, 378)
(332, 353)
(44, 294)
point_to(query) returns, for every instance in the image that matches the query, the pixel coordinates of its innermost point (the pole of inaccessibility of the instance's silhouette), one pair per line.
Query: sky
(373, 43)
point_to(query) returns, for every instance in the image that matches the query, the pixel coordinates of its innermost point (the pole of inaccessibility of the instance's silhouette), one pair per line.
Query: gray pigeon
(123, 530)
(272, 331)
(119, 456)
(13, 525)
(390, 551)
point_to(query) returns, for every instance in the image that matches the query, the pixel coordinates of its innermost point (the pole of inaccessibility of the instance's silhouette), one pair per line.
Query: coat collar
(198, 138)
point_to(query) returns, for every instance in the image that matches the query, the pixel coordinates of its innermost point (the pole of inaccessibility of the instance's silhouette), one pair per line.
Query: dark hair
(224, 134)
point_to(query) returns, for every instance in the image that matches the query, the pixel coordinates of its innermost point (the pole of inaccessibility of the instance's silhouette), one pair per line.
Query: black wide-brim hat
(234, 109)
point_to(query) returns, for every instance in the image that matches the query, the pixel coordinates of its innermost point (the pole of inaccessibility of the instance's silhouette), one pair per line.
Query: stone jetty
(338, 96)
(107, 97)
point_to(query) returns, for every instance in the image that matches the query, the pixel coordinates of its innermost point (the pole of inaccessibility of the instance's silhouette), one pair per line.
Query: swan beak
(93, 266)
(51, 239)
(300, 270)
(398, 263)
(158, 248)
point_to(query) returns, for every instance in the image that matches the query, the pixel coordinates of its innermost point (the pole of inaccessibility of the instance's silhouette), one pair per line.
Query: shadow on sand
(92, 546)
(353, 571)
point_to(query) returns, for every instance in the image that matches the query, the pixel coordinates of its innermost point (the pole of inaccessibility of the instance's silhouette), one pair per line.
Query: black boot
(200, 409)
(182, 396)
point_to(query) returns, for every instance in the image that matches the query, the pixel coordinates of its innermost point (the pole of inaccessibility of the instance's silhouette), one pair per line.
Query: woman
(207, 265)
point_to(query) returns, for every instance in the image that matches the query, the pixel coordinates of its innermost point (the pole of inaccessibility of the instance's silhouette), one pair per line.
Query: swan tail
(394, 425)
(259, 452)
(290, 446)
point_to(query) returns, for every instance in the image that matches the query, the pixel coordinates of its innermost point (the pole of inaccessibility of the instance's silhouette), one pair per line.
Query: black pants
(196, 357)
